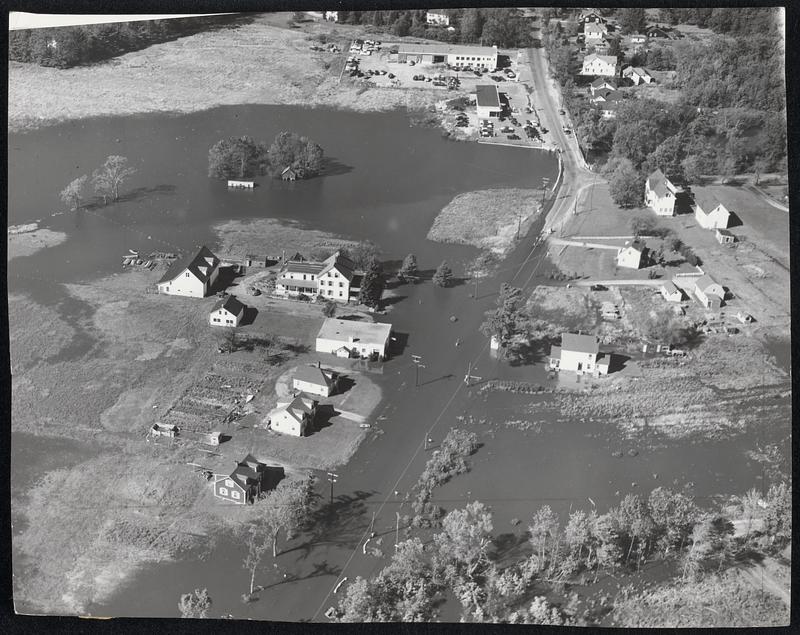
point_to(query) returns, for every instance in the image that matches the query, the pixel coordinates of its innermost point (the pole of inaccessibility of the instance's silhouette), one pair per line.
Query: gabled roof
(230, 304)
(603, 81)
(609, 95)
(247, 471)
(487, 96)
(724, 232)
(595, 26)
(669, 287)
(636, 245)
(637, 70)
(608, 59)
(314, 375)
(555, 352)
(343, 265)
(193, 262)
(660, 184)
(704, 282)
(288, 168)
(295, 266)
(705, 200)
(579, 343)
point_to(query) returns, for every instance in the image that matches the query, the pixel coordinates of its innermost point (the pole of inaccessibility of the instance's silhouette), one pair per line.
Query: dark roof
(487, 96)
(580, 343)
(609, 94)
(343, 264)
(555, 352)
(247, 471)
(602, 81)
(724, 232)
(230, 304)
(304, 267)
(705, 200)
(192, 263)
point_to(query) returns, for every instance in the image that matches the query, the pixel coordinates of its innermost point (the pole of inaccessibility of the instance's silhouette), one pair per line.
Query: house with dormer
(335, 278)
(594, 32)
(660, 194)
(293, 417)
(191, 276)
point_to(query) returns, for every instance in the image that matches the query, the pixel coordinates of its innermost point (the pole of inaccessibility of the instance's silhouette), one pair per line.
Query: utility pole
(397, 530)
(332, 477)
(372, 525)
(519, 224)
(545, 181)
(417, 359)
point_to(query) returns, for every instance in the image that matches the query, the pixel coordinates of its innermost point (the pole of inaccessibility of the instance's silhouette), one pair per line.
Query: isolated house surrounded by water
(227, 312)
(603, 65)
(191, 276)
(660, 194)
(580, 354)
(487, 100)
(314, 380)
(242, 485)
(709, 212)
(289, 173)
(709, 292)
(630, 256)
(293, 417)
(358, 339)
(335, 278)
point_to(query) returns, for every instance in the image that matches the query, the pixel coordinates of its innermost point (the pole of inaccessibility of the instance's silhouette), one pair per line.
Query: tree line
(461, 559)
(501, 27)
(243, 157)
(68, 46)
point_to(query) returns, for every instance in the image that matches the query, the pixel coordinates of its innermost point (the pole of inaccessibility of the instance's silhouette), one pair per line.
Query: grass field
(29, 243)
(488, 219)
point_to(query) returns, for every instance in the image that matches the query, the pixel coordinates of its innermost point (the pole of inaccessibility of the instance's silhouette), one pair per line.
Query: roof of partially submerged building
(200, 264)
(487, 96)
(580, 343)
(368, 332)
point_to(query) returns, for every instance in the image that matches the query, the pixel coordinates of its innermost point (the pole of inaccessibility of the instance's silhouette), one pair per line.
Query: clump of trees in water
(106, 182)
(68, 46)
(243, 157)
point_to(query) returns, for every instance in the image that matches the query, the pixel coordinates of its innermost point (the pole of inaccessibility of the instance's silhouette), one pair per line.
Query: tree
(443, 276)
(625, 184)
(778, 513)
(108, 178)
(674, 515)
(508, 318)
(329, 310)
(402, 26)
(300, 153)
(466, 537)
(642, 225)
(237, 158)
(229, 340)
(710, 537)
(73, 193)
(543, 529)
(471, 25)
(668, 157)
(371, 284)
(578, 531)
(409, 268)
(256, 540)
(195, 604)
(363, 253)
(632, 20)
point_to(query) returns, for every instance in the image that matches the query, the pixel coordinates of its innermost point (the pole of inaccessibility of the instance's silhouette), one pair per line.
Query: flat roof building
(455, 55)
(487, 100)
(359, 339)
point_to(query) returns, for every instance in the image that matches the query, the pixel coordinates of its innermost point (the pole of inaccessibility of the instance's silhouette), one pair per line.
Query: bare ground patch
(28, 243)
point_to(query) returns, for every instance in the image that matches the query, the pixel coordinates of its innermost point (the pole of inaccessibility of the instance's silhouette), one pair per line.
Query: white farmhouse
(348, 338)
(580, 354)
(659, 194)
(293, 417)
(334, 279)
(191, 276)
(709, 212)
(603, 65)
(227, 312)
(630, 256)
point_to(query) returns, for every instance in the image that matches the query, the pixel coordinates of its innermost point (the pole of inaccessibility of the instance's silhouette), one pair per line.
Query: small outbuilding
(670, 291)
(227, 312)
(724, 237)
(289, 173)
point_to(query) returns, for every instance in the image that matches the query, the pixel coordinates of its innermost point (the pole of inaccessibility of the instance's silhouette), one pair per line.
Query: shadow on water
(334, 167)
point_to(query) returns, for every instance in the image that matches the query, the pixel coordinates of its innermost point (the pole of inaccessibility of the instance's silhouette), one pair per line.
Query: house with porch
(631, 255)
(660, 194)
(314, 380)
(227, 312)
(335, 278)
(348, 338)
(709, 292)
(192, 275)
(580, 354)
(244, 484)
(709, 212)
(293, 417)
(603, 65)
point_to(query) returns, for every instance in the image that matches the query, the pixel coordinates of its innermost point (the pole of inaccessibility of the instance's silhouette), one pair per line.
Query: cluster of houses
(295, 416)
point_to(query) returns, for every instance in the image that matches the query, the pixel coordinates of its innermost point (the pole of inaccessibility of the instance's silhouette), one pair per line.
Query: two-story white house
(659, 194)
(594, 32)
(580, 354)
(437, 18)
(293, 417)
(334, 279)
(709, 212)
(191, 276)
(603, 65)
(314, 380)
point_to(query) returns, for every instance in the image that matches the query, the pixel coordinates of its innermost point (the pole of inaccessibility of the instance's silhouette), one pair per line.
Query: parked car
(411, 62)
(511, 74)
(390, 76)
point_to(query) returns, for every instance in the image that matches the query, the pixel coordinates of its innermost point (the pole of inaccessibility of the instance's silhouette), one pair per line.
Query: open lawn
(488, 219)
(28, 243)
